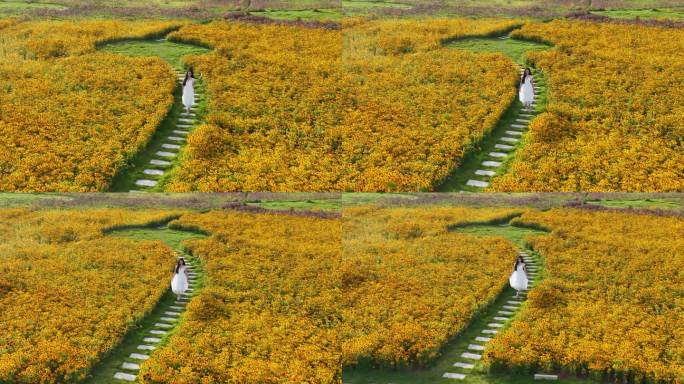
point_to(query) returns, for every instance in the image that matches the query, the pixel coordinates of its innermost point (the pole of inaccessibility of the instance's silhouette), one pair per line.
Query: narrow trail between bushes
(153, 166)
(152, 331)
(461, 359)
(492, 155)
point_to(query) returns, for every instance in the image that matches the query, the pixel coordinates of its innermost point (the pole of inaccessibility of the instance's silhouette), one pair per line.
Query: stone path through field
(476, 346)
(507, 144)
(162, 325)
(170, 146)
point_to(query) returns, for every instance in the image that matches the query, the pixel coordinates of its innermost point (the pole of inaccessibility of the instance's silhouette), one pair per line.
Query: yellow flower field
(615, 117)
(409, 285)
(68, 294)
(71, 117)
(611, 302)
(269, 309)
(300, 109)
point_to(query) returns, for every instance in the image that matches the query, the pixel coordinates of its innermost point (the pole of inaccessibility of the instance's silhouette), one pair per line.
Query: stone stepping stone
(477, 183)
(151, 339)
(180, 302)
(495, 325)
(176, 307)
(518, 126)
(146, 347)
(186, 120)
(497, 154)
(157, 332)
(505, 312)
(170, 146)
(472, 356)
(138, 356)
(176, 138)
(455, 376)
(514, 133)
(162, 163)
(543, 376)
(124, 376)
(464, 365)
(166, 154)
(491, 163)
(153, 172)
(131, 366)
(179, 132)
(482, 172)
(145, 183)
(505, 147)
(510, 307)
(509, 139)
(163, 325)
(192, 114)
(172, 313)
(183, 126)
(170, 319)
(483, 339)
(490, 331)
(501, 318)
(511, 302)
(476, 347)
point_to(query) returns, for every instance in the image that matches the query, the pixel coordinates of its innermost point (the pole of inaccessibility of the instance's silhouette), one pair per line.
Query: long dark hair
(518, 260)
(188, 75)
(180, 262)
(526, 72)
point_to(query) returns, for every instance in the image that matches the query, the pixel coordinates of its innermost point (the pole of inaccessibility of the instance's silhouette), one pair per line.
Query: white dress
(518, 279)
(189, 93)
(526, 93)
(179, 284)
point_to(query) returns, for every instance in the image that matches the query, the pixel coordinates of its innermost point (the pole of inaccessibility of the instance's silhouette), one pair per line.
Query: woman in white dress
(179, 284)
(189, 90)
(526, 93)
(518, 279)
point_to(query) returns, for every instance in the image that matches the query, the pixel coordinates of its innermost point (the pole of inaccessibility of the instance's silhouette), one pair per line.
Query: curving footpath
(172, 144)
(508, 143)
(161, 327)
(470, 356)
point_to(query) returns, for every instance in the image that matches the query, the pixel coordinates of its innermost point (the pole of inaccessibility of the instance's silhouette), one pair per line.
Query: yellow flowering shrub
(68, 294)
(294, 108)
(401, 36)
(71, 117)
(269, 307)
(615, 114)
(611, 301)
(409, 285)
